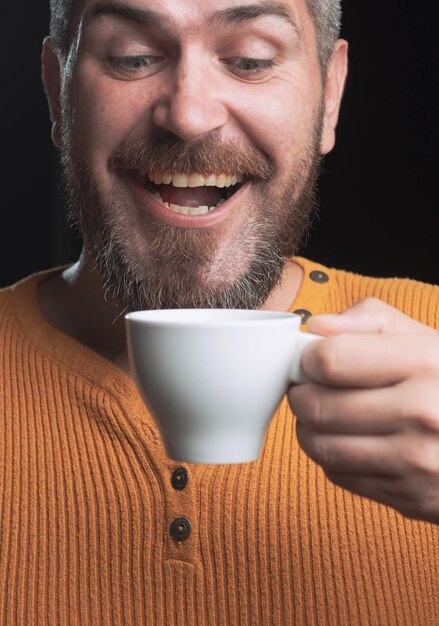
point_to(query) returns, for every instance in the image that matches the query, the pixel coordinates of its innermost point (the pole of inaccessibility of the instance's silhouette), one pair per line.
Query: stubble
(166, 267)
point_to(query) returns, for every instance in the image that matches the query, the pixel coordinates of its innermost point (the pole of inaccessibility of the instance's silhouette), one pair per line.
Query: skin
(191, 94)
(370, 417)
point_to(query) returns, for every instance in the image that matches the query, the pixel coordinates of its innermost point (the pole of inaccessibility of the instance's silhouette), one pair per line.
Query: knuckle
(311, 410)
(306, 405)
(430, 467)
(314, 446)
(323, 453)
(382, 311)
(371, 304)
(428, 419)
(316, 414)
(423, 416)
(327, 359)
(422, 459)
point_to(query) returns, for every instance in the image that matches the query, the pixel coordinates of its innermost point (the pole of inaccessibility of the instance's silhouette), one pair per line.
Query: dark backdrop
(378, 202)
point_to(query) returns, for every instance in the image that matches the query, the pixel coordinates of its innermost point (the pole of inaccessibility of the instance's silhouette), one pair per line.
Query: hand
(370, 417)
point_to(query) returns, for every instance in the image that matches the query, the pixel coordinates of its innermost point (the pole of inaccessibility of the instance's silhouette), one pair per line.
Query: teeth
(180, 180)
(210, 181)
(198, 210)
(194, 180)
(179, 209)
(186, 210)
(221, 180)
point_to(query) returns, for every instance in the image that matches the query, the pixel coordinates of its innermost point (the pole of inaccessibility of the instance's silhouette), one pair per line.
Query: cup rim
(209, 317)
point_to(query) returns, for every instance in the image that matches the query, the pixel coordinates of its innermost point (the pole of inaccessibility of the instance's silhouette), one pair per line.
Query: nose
(191, 104)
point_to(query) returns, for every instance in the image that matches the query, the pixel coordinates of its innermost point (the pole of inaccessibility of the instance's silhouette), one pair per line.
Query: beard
(159, 266)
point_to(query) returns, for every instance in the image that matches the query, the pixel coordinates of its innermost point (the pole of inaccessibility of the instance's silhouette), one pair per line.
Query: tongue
(190, 196)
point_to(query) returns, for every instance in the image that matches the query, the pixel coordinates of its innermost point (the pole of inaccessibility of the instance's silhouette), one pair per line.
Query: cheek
(279, 117)
(107, 111)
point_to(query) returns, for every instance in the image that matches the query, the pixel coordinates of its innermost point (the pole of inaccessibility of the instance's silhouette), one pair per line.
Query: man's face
(192, 134)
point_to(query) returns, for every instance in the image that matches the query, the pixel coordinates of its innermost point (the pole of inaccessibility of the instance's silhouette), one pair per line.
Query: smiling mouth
(193, 194)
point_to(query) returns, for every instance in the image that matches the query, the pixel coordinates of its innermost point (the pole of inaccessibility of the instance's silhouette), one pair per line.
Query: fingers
(397, 492)
(383, 489)
(349, 453)
(368, 316)
(370, 418)
(409, 407)
(349, 412)
(370, 360)
(401, 471)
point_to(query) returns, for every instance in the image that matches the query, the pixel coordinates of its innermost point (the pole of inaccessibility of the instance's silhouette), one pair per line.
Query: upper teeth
(194, 180)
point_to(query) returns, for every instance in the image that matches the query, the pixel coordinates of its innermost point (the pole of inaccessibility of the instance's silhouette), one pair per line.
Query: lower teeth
(186, 210)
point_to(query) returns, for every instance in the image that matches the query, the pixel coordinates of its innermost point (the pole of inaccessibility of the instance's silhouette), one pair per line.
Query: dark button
(319, 277)
(304, 314)
(179, 479)
(180, 529)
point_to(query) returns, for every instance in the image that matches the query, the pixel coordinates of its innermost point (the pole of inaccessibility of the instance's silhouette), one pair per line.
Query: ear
(334, 87)
(51, 74)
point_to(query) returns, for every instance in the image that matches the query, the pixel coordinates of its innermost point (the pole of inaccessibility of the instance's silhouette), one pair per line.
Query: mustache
(164, 152)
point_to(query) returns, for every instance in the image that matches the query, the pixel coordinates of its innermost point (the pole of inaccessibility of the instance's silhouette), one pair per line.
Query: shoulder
(6, 294)
(344, 288)
(20, 300)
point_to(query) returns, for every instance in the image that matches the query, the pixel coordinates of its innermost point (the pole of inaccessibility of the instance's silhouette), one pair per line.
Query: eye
(249, 67)
(133, 64)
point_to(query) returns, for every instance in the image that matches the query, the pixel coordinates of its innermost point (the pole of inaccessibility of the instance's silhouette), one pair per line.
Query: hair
(326, 15)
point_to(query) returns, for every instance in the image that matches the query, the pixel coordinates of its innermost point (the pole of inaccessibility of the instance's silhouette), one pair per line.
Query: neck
(74, 303)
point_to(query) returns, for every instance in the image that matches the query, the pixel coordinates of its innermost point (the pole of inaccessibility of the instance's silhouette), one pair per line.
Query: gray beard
(175, 270)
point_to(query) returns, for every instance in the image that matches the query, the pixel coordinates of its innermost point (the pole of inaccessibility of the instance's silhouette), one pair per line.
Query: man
(191, 133)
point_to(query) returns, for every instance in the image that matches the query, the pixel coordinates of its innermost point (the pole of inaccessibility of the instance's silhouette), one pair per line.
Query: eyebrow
(143, 16)
(232, 15)
(246, 12)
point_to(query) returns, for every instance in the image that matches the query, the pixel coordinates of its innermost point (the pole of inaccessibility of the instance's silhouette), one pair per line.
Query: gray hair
(326, 15)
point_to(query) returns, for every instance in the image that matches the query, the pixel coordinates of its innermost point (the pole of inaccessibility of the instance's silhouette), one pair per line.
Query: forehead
(196, 14)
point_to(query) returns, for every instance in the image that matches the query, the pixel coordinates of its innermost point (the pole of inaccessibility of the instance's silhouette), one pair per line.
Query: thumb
(367, 316)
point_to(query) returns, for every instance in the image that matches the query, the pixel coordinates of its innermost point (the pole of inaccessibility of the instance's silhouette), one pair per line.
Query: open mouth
(193, 194)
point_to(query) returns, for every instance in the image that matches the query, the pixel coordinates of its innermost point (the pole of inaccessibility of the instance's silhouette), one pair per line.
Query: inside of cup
(207, 316)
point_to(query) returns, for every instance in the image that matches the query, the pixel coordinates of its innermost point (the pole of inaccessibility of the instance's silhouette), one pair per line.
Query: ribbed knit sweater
(87, 500)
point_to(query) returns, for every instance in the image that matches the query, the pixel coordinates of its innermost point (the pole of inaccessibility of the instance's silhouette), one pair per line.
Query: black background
(378, 196)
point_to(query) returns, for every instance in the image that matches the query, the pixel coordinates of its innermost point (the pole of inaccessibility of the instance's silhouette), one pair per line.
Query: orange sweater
(87, 501)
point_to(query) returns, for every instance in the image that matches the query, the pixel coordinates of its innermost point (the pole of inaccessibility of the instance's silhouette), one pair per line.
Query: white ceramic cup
(213, 378)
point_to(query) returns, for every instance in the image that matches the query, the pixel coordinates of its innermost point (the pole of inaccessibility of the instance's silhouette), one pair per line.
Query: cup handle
(296, 374)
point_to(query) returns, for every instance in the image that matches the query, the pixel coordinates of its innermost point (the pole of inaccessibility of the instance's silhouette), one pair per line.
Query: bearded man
(191, 133)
